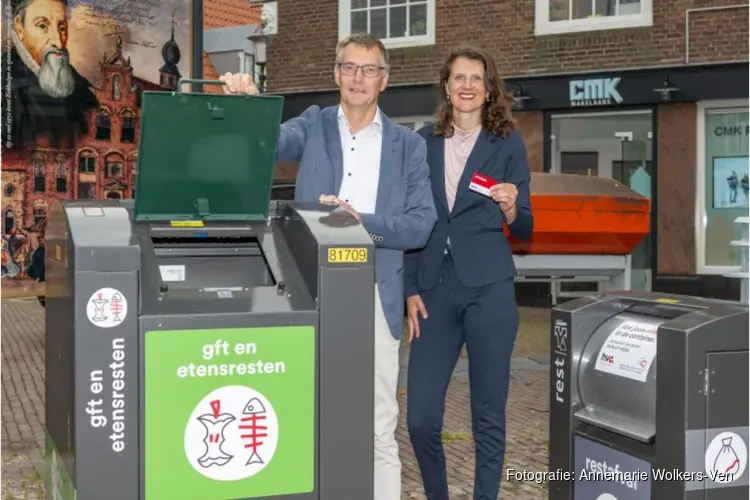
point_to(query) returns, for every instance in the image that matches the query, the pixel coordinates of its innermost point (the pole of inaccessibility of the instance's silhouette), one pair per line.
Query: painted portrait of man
(50, 98)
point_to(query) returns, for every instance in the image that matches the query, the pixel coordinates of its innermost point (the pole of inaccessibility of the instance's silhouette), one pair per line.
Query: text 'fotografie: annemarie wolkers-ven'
(629, 478)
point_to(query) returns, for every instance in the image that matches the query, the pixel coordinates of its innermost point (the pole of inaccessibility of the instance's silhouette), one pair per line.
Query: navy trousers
(486, 320)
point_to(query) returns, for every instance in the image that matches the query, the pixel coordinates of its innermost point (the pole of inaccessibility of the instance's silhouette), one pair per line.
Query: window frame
(543, 26)
(702, 109)
(345, 19)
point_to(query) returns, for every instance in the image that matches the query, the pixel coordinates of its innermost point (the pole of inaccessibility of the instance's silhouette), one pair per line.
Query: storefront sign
(595, 92)
(731, 130)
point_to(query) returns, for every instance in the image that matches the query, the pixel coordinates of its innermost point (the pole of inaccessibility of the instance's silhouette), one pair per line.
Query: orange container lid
(576, 214)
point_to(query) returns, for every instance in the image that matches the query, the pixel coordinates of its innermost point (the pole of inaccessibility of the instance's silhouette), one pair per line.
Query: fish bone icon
(254, 415)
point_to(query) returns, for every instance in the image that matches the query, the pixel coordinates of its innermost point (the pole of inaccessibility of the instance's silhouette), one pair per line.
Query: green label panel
(229, 413)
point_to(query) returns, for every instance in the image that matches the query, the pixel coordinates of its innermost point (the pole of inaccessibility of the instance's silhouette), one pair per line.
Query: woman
(460, 287)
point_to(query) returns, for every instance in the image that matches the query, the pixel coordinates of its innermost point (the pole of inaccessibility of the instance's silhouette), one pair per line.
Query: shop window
(113, 195)
(614, 145)
(573, 16)
(397, 23)
(86, 163)
(40, 173)
(127, 127)
(723, 171)
(61, 174)
(579, 163)
(103, 126)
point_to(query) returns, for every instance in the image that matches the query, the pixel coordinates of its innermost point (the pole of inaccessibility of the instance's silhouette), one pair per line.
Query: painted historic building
(104, 163)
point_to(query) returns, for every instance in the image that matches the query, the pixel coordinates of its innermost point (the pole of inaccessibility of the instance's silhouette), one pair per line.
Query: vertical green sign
(229, 413)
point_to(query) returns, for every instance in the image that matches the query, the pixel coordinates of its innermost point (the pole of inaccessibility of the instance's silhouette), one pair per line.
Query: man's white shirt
(361, 163)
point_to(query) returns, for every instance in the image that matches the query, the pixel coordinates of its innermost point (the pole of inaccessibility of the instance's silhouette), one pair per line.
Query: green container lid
(206, 156)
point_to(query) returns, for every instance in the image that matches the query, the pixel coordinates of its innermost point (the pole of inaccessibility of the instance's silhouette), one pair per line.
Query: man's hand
(238, 83)
(329, 199)
(415, 308)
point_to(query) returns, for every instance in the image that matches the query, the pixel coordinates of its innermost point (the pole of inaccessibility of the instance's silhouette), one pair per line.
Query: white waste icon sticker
(232, 434)
(107, 307)
(726, 458)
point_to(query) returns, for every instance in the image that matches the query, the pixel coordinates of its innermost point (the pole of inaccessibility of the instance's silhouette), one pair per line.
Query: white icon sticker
(606, 496)
(726, 458)
(232, 434)
(107, 307)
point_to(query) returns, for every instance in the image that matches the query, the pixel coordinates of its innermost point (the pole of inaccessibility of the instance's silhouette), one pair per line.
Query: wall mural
(73, 73)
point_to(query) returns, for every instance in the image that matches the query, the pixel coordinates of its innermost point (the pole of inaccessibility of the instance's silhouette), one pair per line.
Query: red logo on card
(483, 181)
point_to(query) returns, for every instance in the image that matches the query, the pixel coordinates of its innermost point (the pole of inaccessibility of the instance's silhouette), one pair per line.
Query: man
(48, 97)
(353, 156)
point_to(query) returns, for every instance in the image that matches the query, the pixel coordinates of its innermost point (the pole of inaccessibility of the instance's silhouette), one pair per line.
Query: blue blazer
(405, 210)
(480, 250)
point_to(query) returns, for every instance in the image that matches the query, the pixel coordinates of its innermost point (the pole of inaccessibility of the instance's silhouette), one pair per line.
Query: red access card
(481, 184)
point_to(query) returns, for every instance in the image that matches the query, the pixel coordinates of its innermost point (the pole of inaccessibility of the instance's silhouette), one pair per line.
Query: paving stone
(23, 417)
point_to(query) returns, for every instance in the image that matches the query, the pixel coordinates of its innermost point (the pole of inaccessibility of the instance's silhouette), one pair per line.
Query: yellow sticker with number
(186, 223)
(667, 300)
(347, 255)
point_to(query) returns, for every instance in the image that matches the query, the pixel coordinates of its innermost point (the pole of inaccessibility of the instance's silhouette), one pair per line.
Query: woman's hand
(414, 307)
(505, 195)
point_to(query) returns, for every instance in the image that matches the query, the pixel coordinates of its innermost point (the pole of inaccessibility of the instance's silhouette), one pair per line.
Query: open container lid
(206, 156)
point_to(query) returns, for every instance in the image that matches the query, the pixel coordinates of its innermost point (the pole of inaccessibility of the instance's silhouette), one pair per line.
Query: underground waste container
(201, 342)
(648, 398)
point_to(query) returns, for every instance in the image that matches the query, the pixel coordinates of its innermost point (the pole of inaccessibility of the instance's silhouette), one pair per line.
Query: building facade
(653, 94)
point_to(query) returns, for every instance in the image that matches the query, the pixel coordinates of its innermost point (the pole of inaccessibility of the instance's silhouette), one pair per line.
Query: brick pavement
(23, 414)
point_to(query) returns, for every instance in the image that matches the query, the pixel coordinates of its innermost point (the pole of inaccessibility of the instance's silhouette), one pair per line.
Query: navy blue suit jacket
(480, 250)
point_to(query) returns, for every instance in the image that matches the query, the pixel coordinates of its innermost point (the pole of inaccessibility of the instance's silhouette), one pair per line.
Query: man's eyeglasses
(369, 70)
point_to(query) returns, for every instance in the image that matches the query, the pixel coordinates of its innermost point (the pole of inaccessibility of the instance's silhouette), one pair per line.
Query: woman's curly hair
(497, 117)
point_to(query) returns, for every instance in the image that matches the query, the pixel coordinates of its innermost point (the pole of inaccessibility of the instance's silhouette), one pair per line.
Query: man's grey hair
(367, 41)
(22, 5)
